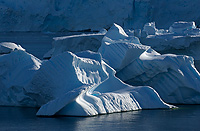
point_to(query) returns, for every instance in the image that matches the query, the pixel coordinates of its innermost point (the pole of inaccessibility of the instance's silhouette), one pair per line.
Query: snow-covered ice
(79, 84)
(16, 71)
(86, 86)
(118, 49)
(85, 83)
(182, 38)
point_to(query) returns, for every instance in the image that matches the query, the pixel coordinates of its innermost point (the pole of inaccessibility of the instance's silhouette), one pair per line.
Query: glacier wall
(76, 15)
(61, 15)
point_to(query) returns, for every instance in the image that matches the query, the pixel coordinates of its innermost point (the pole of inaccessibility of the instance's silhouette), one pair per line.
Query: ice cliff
(76, 15)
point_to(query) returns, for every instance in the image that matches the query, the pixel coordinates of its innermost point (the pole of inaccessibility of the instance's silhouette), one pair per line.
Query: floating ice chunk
(150, 28)
(7, 47)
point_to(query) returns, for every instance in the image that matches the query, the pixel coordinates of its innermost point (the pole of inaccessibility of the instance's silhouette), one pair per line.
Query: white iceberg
(84, 85)
(174, 77)
(69, 84)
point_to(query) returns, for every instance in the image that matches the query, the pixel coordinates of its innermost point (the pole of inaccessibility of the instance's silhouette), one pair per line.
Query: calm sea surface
(185, 118)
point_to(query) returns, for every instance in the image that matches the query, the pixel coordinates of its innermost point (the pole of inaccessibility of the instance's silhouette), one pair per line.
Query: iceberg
(16, 71)
(84, 85)
(80, 84)
(174, 77)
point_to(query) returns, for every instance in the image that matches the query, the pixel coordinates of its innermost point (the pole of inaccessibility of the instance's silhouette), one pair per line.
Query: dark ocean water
(186, 118)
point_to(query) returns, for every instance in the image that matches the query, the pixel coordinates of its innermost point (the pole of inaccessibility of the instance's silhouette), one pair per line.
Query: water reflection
(184, 118)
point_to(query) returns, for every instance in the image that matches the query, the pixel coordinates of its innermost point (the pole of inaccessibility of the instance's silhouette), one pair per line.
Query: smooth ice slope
(16, 71)
(174, 77)
(75, 43)
(84, 85)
